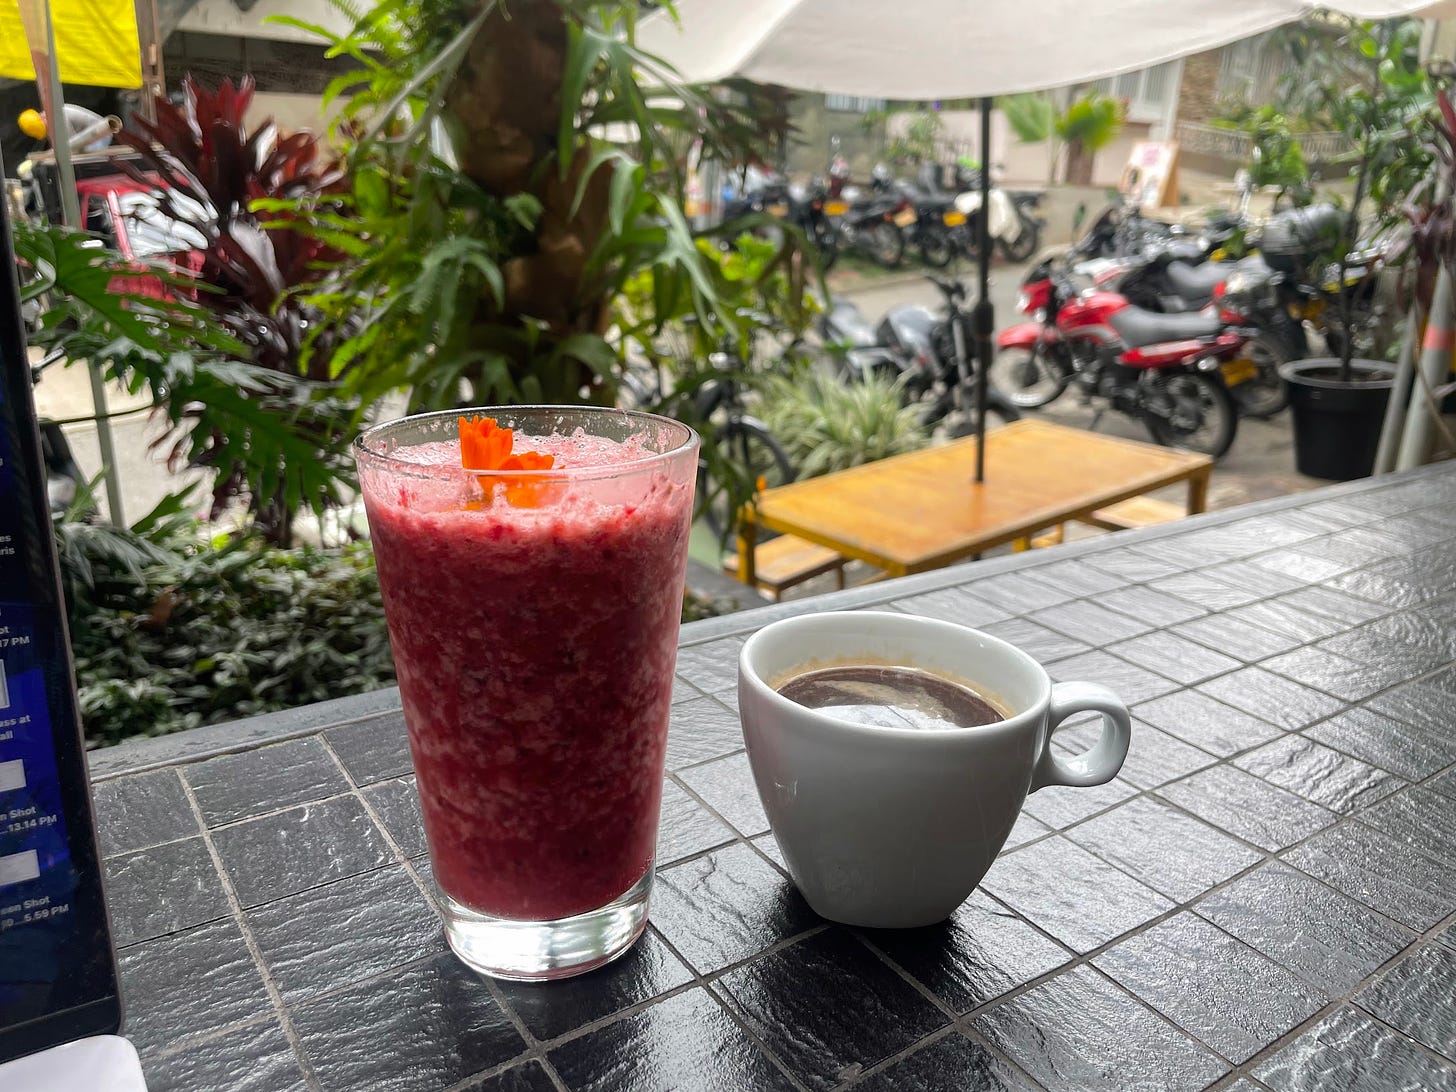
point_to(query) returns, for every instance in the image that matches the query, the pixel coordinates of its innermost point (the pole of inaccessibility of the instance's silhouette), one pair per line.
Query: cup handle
(1098, 765)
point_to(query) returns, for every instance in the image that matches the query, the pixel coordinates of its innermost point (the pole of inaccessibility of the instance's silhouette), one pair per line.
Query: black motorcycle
(801, 206)
(932, 356)
(876, 220)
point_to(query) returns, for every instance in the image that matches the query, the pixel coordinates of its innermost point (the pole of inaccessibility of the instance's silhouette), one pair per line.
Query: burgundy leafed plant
(211, 169)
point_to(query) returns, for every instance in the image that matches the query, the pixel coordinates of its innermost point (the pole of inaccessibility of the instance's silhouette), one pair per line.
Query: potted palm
(1373, 90)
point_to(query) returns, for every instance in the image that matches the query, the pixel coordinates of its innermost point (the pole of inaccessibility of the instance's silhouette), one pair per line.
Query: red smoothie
(535, 643)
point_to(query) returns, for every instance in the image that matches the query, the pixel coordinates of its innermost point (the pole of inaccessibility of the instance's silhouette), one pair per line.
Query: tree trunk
(1079, 163)
(508, 97)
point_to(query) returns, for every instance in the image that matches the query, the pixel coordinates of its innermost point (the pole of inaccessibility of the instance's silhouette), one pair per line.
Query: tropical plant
(1032, 116)
(512, 169)
(212, 169)
(1371, 87)
(917, 142)
(1276, 159)
(109, 310)
(172, 629)
(1088, 125)
(826, 424)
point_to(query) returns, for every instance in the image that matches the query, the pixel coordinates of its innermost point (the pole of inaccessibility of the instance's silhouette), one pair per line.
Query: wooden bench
(780, 563)
(1136, 512)
(1122, 516)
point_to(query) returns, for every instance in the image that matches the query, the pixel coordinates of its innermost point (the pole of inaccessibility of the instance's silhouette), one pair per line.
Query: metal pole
(1395, 410)
(985, 313)
(1415, 445)
(71, 214)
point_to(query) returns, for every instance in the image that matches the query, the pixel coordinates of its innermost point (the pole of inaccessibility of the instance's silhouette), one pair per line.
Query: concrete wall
(1026, 163)
(809, 153)
(223, 17)
(291, 112)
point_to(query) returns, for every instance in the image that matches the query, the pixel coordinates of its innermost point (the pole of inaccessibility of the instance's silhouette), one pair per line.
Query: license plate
(1239, 371)
(905, 218)
(836, 208)
(955, 219)
(778, 210)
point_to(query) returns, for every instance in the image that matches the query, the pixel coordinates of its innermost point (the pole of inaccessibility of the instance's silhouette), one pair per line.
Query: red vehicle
(1165, 370)
(123, 213)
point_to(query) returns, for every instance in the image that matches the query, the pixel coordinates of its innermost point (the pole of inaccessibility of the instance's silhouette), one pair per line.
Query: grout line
(536, 1051)
(275, 995)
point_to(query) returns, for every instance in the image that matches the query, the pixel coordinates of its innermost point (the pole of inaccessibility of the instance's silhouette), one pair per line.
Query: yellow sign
(96, 41)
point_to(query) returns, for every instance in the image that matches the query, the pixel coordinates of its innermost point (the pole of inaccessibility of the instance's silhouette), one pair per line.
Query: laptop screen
(57, 975)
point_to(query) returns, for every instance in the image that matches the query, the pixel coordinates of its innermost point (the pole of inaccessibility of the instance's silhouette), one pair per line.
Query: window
(853, 104)
(1147, 91)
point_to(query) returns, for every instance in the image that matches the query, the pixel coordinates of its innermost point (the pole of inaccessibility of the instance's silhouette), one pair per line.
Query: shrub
(826, 424)
(172, 631)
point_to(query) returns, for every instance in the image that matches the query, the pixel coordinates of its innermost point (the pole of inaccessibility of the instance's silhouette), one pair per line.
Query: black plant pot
(1337, 424)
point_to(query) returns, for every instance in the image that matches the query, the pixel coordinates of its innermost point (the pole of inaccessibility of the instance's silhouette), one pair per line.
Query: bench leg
(1198, 493)
(747, 541)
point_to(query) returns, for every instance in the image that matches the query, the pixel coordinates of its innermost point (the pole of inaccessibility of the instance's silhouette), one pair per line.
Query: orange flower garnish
(484, 445)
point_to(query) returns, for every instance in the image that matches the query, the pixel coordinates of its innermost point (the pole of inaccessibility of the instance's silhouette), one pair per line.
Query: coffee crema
(880, 696)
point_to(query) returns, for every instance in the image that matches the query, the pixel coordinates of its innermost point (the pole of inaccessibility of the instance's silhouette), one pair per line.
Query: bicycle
(740, 456)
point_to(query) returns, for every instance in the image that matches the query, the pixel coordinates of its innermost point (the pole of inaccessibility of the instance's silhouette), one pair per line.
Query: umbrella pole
(985, 313)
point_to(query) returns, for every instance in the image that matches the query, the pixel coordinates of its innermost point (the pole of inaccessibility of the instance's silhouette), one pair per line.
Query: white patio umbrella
(930, 49)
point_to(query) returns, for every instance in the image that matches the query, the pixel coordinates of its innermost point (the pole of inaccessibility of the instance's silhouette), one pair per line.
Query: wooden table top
(922, 510)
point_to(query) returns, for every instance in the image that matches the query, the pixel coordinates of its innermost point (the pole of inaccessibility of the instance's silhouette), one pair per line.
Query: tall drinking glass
(534, 618)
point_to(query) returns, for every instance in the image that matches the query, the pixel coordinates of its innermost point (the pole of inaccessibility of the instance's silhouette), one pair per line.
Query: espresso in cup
(890, 696)
(886, 827)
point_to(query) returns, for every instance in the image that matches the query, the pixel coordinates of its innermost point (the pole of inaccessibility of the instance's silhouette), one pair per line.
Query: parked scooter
(1015, 233)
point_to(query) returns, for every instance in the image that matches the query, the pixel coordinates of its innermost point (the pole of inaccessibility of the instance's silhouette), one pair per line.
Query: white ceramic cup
(895, 827)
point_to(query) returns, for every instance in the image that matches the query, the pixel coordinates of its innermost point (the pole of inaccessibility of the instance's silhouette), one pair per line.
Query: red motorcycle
(1165, 370)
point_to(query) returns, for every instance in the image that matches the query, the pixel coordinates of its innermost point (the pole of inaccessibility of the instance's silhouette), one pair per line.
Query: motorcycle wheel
(1265, 394)
(826, 241)
(1192, 411)
(885, 243)
(1025, 245)
(1027, 378)
(936, 249)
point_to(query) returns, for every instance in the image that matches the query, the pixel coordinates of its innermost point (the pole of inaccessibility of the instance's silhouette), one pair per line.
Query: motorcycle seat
(844, 323)
(1139, 327)
(934, 202)
(1195, 283)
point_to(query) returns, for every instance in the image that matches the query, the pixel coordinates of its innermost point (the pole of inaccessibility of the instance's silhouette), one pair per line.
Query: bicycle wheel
(749, 459)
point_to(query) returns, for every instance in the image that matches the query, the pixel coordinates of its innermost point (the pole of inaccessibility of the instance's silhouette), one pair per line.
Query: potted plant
(1371, 90)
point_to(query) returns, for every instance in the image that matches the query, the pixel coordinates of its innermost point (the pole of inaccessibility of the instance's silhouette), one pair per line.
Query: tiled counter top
(1263, 898)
